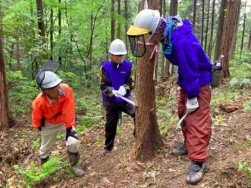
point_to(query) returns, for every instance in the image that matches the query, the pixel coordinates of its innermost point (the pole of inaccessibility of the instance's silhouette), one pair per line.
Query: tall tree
(243, 27)
(229, 34)
(126, 24)
(211, 32)
(59, 28)
(194, 13)
(221, 20)
(207, 26)
(112, 20)
(249, 40)
(148, 138)
(40, 15)
(202, 22)
(51, 33)
(4, 106)
(119, 25)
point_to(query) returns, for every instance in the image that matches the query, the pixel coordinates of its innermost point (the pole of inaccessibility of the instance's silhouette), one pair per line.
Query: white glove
(122, 91)
(192, 104)
(115, 93)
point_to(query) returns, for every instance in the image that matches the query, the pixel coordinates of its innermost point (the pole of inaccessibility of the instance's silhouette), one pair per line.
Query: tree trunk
(148, 138)
(211, 32)
(112, 21)
(119, 25)
(220, 28)
(51, 34)
(40, 15)
(59, 30)
(194, 14)
(126, 25)
(243, 28)
(202, 22)
(4, 107)
(207, 26)
(229, 35)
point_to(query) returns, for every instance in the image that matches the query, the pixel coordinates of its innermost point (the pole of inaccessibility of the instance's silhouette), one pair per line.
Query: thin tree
(194, 13)
(126, 24)
(148, 138)
(119, 25)
(51, 33)
(202, 22)
(221, 20)
(112, 20)
(229, 35)
(243, 27)
(211, 32)
(59, 29)
(249, 41)
(207, 26)
(40, 20)
(4, 106)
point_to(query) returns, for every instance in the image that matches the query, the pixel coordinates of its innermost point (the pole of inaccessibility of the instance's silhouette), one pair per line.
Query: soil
(229, 145)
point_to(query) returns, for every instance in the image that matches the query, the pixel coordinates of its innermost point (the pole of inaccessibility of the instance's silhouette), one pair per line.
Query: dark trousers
(112, 116)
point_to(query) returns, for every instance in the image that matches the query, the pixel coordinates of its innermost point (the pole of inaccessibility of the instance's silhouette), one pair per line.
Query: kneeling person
(52, 113)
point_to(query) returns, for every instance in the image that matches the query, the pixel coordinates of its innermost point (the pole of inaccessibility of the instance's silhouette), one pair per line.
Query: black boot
(44, 160)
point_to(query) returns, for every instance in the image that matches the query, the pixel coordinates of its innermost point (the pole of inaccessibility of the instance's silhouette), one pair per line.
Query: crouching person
(52, 113)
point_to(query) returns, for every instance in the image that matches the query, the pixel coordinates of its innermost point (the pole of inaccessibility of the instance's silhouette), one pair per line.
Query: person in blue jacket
(183, 49)
(115, 81)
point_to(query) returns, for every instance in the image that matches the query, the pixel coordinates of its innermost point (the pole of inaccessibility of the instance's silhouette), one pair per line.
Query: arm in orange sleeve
(36, 115)
(69, 109)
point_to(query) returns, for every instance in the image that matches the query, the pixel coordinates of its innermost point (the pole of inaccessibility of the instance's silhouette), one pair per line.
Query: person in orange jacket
(52, 113)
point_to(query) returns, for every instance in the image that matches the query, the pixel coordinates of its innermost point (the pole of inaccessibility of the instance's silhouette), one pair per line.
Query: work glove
(115, 93)
(71, 132)
(122, 91)
(192, 104)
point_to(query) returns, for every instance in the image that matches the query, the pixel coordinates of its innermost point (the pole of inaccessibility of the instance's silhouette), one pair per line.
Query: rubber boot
(73, 158)
(44, 160)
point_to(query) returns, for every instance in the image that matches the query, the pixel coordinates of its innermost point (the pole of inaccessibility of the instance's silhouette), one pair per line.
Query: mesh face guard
(137, 45)
(52, 66)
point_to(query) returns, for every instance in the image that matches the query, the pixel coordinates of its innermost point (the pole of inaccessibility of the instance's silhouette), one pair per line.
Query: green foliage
(21, 92)
(244, 167)
(33, 175)
(70, 78)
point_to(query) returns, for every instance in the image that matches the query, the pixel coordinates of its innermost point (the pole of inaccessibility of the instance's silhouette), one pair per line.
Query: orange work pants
(196, 128)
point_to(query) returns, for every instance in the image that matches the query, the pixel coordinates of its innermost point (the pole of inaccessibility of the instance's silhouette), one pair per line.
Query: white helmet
(146, 21)
(50, 80)
(118, 47)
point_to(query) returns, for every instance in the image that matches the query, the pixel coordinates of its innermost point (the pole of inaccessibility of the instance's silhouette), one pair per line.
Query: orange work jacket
(61, 111)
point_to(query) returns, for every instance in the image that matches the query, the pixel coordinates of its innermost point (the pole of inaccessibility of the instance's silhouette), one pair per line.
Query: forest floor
(230, 146)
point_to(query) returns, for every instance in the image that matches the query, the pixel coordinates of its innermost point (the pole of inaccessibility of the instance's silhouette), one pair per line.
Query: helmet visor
(137, 45)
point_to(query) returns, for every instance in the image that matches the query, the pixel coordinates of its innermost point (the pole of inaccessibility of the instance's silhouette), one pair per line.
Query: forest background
(78, 34)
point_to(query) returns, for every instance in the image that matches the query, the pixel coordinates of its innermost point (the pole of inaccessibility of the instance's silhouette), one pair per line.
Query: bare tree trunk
(206, 33)
(229, 35)
(119, 25)
(59, 30)
(202, 22)
(126, 25)
(212, 31)
(112, 21)
(40, 15)
(194, 14)
(220, 28)
(51, 34)
(244, 28)
(148, 138)
(4, 106)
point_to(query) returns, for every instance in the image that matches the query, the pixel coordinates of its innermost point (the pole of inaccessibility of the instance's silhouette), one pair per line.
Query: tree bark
(243, 28)
(40, 15)
(229, 35)
(194, 14)
(112, 21)
(59, 29)
(148, 138)
(51, 34)
(126, 25)
(220, 28)
(4, 106)
(119, 25)
(211, 32)
(202, 22)
(249, 40)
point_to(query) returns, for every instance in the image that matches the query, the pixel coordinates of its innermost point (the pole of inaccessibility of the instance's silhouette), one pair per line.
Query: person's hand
(115, 93)
(122, 91)
(192, 104)
(71, 132)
